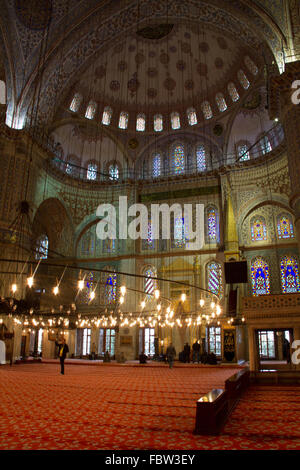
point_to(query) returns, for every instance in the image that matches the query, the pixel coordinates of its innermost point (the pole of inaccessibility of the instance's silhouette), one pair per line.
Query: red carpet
(123, 407)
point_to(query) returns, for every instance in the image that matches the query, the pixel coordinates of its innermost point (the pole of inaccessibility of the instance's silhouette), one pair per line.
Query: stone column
(284, 106)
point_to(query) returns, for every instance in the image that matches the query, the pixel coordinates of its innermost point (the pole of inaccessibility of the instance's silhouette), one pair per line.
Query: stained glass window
(243, 79)
(251, 65)
(260, 277)
(106, 117)
(200, 158)
(109, 245)
(158, 123)
(156, 165)
(175, 120)
(192, 116)
(91, 173)
(110, 288)
(179, 232)
(258, 230)
(178, 159)
(140, 122)
(42, 245)
(88, 243)
(123, 120)
(149, 243)
(221, 103)
(76, 102)
(243, 153)
(89, 286)
(212, 224)
(289, 275)
(265, 145)
(113, 172)
(214, 278)
(91, 110)
(69, 169)
(149, 280)
(285, 227)
(233, 92)
(206, 110)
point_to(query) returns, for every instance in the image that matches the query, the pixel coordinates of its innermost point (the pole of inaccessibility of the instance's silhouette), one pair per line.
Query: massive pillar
(285, 105)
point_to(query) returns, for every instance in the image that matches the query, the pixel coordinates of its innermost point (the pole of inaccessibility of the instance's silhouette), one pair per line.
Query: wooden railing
(270, 305)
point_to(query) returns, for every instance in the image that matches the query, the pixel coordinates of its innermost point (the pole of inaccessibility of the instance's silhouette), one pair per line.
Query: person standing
(171, 353)
(187, 352)
(63, 350)
(196, 352)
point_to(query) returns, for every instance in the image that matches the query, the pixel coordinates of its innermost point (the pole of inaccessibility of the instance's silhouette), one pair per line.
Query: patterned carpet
(122, 407)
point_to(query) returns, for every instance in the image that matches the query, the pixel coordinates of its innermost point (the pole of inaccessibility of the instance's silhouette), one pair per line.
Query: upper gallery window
(200, 158)
(158, 123)
(140, 122)
(178, 159)
(76, 102)
(265, 145)
(106, 116)
(175, 120)
(123, 120)
(212, 224)
(192, 116)
(113, 172)
(233, 92)
(91, 110)
(214, 278)
(243, 153)
(91, 173)
(285, 227)
(42, 245)
(156, 165)
(258, 229)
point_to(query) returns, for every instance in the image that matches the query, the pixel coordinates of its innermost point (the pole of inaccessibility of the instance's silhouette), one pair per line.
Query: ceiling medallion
(133, 144)
(155, 32)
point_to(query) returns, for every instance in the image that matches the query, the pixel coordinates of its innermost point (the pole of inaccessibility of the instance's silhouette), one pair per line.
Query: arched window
(123, 120)
(76, 102)
(158, 123)
(212, 224)
(243, 79)
(110, 289)
(42, 245)
(113, 172)
(251, 65)
(89, 286)
(289, 275)
(233, 92)
(156, 165)
(140, 122)
(106, 116)
(91, 110)
(192, 116)
(206, 110)
(178, 159)
(149, 243)
(87, 242)
(2, 92)
(200, 158)
(243, 153)
(214, 278)
(258, 229)
(265, 145)
(260, 277)
(149, 280)
(179, 231)
(221, 103)
(109, 245)
(285, 227)
(175, 120)
(91, 173)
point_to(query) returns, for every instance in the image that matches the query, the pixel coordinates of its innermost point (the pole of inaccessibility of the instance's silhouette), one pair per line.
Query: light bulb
(121, 300)
(143, 303)
(30, 281)
(212, 305)
(14, 288)
(183, 297)
(123, 290)
(55, 290)
(92, 295)
(202, 302)
(156, 293)
(159, 307)
(80, 284)
(168, 309)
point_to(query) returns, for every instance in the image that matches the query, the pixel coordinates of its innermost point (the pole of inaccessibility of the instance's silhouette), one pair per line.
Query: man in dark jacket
(63, 350)
(171, 353)
(187, 352)
(196, 352)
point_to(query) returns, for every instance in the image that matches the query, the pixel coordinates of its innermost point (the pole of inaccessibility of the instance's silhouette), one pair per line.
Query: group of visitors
(196, 348)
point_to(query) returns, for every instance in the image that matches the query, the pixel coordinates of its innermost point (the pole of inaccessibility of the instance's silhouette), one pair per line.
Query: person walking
(62, 352)
(196, 352)
(171, 353)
